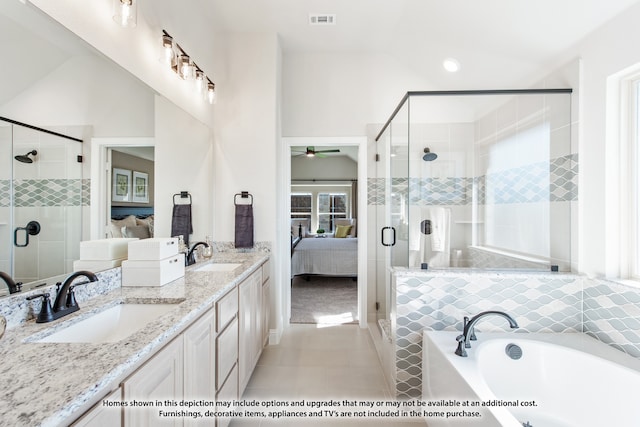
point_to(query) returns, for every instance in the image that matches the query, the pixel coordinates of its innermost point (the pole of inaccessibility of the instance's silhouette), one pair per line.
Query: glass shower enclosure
(476, 179)
(41, 199)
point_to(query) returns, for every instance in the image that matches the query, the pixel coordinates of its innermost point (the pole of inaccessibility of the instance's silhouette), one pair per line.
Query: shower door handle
(393, 234)
(32, 229)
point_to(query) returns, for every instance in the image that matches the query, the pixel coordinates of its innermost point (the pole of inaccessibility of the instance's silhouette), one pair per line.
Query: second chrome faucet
(468, 332)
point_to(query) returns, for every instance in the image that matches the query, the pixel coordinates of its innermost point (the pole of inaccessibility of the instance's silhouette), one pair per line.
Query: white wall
(246, 132)
(338, 94)
(334, 167)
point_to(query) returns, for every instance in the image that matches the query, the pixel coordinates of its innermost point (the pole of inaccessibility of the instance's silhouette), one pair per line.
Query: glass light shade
(168, 53)
(185, 67)
(201, 81)
(211, 93)
(125, 12)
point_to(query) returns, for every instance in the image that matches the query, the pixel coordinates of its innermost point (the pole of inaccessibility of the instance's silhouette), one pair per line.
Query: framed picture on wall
(121, 191)
(140, 187)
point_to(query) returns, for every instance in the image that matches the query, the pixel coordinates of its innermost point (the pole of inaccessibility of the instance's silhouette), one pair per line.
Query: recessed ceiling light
(451, 65)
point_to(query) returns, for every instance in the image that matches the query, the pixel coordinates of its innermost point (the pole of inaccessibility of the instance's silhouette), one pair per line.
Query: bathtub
(559, 380)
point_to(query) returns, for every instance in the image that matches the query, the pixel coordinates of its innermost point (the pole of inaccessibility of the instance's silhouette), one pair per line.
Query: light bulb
(167, 55)
(124, 12)
(201, 81)
(211, 93)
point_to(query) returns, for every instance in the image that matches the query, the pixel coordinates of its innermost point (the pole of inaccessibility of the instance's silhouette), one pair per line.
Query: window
(301, 206)
(331, 206)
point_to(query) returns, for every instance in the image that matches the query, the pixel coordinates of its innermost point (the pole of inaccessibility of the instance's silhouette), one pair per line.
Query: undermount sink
(110, 325)
(219, 266)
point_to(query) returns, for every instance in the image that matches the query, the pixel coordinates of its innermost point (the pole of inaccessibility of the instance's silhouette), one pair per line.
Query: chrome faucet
(191, 256)
(13, 286)
(65, 302)
(468, 331)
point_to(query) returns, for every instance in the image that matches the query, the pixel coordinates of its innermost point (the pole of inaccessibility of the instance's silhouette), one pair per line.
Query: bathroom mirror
(59, 83)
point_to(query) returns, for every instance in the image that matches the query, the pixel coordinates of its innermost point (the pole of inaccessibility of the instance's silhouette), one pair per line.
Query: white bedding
(325, 256)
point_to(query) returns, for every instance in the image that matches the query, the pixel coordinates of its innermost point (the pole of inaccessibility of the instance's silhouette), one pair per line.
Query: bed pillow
(139, 231)
(148, 221)
(115, 228)
(342, 231)
(349, 221)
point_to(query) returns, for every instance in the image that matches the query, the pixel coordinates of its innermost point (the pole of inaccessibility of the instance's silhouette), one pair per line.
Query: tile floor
(327, 363)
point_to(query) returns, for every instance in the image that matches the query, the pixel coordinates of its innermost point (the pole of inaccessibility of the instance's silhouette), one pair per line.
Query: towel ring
(183, 195)
(244, 195)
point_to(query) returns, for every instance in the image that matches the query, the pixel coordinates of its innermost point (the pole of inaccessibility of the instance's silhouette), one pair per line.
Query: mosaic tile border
(46, 192)
(554, 181)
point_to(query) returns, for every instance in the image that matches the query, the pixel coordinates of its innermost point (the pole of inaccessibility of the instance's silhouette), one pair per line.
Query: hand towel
(439, 228)
(244, 226)
(181, 222)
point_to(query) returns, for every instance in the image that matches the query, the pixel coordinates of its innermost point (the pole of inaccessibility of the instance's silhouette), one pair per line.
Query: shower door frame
(406, 102)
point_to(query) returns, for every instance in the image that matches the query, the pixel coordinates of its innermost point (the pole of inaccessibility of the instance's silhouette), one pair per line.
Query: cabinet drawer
(229, 391)
(226, 352)
(226, 309)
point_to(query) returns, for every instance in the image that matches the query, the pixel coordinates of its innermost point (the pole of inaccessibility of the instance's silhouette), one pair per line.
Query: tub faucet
(191, 256)
(13, 286)
(468, 332)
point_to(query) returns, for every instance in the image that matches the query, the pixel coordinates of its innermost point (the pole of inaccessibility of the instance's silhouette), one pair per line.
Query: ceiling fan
(312, 152)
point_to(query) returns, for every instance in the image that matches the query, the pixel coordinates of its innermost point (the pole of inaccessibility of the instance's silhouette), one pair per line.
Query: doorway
(284, 216)
(101, 177)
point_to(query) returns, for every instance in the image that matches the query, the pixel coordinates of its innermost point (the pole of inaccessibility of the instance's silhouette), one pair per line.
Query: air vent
(322, 19)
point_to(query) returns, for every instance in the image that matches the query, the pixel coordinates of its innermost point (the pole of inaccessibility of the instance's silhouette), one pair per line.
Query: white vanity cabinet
(200, 364)
(266, 302)
(102, 415)
(250, 326)
(212, 360)
(161, 378)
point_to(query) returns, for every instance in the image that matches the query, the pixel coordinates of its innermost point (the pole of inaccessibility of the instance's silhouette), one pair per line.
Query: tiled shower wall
(51, 191)
(540, 302)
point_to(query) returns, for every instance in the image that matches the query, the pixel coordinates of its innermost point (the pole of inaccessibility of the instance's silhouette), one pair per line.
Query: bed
(325, 256)
(131, 221)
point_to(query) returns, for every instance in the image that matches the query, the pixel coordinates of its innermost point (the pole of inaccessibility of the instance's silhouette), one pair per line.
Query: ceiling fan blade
(328, 151)
(319, 154)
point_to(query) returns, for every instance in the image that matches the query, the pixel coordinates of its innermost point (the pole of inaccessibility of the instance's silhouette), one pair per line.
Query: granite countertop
(52, 384)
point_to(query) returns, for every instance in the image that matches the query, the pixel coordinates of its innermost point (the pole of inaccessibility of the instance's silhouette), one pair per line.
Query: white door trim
(100, 178)
(284, 209)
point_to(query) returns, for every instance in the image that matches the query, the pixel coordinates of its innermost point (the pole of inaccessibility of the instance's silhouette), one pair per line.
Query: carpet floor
(324, 300)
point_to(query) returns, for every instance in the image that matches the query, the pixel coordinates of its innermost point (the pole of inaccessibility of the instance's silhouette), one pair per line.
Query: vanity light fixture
(175, 58)
(125, 12)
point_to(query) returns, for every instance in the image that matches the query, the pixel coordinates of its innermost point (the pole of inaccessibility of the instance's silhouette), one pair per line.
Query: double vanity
(196, 338)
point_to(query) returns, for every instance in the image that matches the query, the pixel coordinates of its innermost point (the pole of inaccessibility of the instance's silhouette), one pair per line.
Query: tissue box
(154, 249)
(105, 249)
(152, 272)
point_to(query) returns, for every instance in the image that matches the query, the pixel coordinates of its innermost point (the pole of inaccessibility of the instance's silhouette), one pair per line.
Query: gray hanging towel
(181, 221)
(244, 226)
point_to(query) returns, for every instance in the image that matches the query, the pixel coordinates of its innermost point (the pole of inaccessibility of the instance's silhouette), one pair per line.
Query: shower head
(25, 158)
(428, 155)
